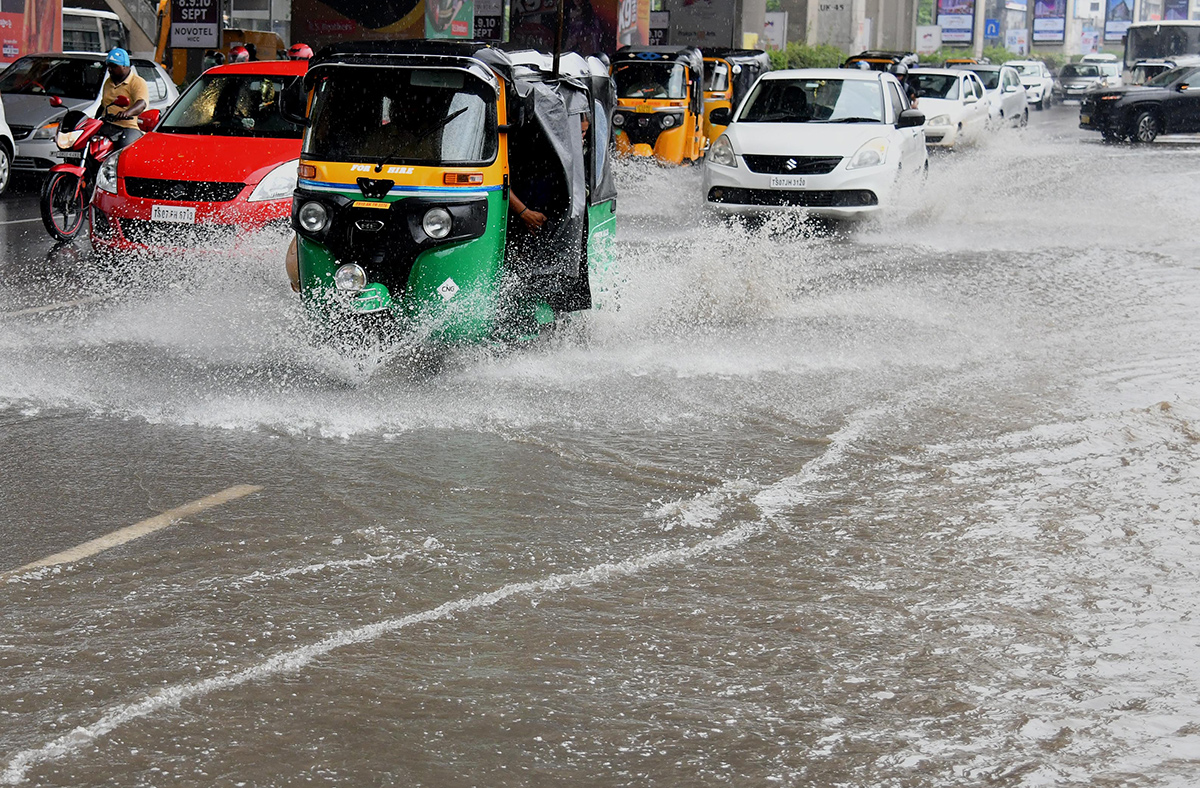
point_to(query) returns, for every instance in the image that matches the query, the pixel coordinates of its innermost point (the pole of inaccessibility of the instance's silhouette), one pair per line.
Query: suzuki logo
(790, 165)
(369, 225)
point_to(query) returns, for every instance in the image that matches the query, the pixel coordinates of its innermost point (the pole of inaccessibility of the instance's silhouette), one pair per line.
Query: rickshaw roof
(736, 55)
(688, 55)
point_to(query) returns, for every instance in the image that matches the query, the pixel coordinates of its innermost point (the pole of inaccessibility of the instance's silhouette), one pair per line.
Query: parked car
(221, 160)
(833, 141)
(1038, 81)
(1006, 97)
(954, 104)
(1167, 104)
(27, 85)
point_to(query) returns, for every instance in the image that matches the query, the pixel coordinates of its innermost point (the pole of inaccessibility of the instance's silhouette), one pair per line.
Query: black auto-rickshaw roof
(690, 56)
(736, 55)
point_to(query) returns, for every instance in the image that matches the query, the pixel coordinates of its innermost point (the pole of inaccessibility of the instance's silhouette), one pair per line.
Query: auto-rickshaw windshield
(402, 115)
(660, 80)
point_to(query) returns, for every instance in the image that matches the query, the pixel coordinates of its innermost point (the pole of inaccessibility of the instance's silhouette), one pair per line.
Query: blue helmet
(118, 57)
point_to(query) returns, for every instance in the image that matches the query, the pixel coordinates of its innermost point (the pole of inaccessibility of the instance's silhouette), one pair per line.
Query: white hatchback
(954, 103)
(833, 141)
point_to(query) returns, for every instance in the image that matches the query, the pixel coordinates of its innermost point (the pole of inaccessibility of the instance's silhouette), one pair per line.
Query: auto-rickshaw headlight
(667, 120)
(436, 223)
(618, 119)
(350, 278)
(313, 217)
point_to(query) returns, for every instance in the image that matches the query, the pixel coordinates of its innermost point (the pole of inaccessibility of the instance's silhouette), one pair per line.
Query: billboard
(196, 24)
(449, 18)
(1049, 21)
(703, 22)
(1118, 16)
(956, 18)
(1175, 9)
(28, 26)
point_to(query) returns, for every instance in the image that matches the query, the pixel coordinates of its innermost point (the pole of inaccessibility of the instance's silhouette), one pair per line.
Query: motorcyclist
(122, 82)
(900, 71)
(300, 52)
(239, 54)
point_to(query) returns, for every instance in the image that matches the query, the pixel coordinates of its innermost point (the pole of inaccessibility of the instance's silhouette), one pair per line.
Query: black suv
(1167, 104)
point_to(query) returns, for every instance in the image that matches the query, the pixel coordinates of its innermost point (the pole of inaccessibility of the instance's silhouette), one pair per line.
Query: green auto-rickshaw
(424, 169)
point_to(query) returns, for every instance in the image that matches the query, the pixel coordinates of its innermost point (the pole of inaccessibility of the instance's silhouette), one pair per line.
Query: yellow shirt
(133, 88)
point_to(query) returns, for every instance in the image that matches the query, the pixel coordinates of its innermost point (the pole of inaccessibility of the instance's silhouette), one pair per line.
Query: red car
(221, 161)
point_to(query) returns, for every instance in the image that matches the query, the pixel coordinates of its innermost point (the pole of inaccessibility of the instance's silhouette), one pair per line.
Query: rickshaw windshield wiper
(420, 136)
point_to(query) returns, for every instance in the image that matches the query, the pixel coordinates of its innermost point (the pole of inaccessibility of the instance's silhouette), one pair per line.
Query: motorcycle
(85, 144)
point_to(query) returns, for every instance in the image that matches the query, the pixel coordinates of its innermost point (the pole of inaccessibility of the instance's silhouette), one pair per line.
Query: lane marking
(138, 530)
(21, 221)
(773, 500)
(37, 310)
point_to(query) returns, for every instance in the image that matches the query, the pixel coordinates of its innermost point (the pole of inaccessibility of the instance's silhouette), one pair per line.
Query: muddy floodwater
(915, 503)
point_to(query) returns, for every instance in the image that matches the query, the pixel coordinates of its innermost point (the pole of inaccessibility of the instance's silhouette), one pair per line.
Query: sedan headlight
(279, 183)
(938, 120)
(313, 217)
(721, 152)
(47, 131)
(106, 178)
(871, 154)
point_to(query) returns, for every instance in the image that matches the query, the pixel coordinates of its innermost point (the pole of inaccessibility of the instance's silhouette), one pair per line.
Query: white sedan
(1037, 79)
(1006, 97)
(954, 103)
(834, 141)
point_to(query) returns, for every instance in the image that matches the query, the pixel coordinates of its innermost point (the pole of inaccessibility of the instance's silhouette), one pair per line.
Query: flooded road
(913, 504)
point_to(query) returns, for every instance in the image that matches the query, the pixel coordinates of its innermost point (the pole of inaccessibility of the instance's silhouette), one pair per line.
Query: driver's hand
(533, 220)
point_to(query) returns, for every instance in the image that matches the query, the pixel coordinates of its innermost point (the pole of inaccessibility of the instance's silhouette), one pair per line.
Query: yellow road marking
(137, 530)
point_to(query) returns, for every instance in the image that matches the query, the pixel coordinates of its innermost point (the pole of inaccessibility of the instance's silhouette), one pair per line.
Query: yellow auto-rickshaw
(660, 102)
(728, 76)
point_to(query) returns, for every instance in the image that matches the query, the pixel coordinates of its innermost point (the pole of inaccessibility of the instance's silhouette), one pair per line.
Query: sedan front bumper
(122, 222)
(840, 194)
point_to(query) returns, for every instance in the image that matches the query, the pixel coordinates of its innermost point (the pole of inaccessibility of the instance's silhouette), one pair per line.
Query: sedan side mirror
(1010, 89)
(721, 116)
(910, 118)
(293, 103)
(1182, 87)
(148, 119)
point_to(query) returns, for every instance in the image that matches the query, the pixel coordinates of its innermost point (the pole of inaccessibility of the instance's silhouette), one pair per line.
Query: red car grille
(182, 191)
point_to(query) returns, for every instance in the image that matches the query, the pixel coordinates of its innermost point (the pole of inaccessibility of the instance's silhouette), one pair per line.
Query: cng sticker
(448, 289)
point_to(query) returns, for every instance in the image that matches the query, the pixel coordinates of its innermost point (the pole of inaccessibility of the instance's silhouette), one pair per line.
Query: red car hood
(205, 157)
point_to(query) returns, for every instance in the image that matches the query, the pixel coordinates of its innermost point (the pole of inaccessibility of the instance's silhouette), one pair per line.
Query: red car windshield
(232, 105)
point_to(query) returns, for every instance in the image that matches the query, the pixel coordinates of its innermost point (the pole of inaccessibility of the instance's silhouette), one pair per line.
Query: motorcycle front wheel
(63, 207)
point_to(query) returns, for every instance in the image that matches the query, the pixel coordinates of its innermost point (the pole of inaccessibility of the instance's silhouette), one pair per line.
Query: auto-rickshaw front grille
(642, 129)
(182, 191)
(792, 165)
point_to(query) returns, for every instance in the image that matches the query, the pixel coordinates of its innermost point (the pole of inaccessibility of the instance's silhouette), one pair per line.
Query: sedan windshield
(660, 80)
(1027, 69)
(1079, 70)
(814, 101)
(232, 105)
(937, 86)
(402, 115)
(74, 78)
